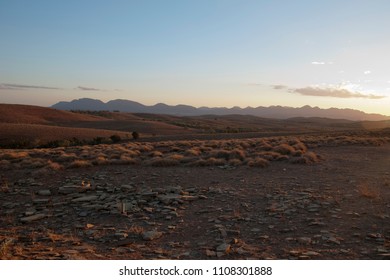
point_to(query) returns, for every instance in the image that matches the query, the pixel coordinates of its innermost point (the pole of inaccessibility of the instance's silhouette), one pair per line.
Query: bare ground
(338, 208)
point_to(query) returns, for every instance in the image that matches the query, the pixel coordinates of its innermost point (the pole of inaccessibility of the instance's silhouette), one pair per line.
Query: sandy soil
(338, 208)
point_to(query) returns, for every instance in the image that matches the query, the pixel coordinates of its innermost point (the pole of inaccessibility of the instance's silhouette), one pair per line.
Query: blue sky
(201, 53)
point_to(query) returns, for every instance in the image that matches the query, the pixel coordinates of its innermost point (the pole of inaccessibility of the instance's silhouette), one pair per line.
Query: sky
(221, 53)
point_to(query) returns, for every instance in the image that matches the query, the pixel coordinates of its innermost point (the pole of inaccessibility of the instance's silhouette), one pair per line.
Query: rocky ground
(338, 208)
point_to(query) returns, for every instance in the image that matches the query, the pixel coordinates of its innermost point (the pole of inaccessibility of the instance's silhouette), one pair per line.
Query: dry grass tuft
(15, 155)
(67, 157)
(237, 154)
(258, 162)
(54, 165)
(162, 162)
(311, 157)
(209, 162)
(80, 163)
(5, 247)
(235, 162)
(156, 154)
(192, 152)
(284, 149)
(100, 160)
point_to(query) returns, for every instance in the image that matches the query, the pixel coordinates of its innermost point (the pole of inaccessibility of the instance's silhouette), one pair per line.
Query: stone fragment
(304, 240)
(210, 253)
(44, 192)
(68, 189)
(311, 254)
(85, 198)
(224, 248)
(33, 218)
(41, 200)
(151, 235)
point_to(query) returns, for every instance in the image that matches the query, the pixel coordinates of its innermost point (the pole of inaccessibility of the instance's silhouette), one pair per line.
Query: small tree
(135, 135)
(115, 138)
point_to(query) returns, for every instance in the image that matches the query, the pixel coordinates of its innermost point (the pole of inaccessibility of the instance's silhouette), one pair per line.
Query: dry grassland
(225, 153)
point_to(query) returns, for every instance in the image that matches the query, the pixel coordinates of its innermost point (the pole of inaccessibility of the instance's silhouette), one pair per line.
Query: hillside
(275, 112)
(13, 113)
(33, 124)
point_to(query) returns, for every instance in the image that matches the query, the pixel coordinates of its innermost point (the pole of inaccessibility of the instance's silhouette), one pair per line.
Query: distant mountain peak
(277, 112)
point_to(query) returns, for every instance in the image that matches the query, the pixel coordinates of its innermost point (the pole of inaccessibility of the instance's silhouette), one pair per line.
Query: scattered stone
(311, 254)
(151, 235)
(85, 198)
(210, 253)
(44, 192)
(30, 212)
(304, 240)
(68, 189)
(224, 248)
(33, 218)
(333, 239)
(41, 201)
(83, 214)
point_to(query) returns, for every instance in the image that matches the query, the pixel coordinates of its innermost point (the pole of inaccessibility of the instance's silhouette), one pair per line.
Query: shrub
(135, 135)
(258, 162)
(156, 154)
(175, 157)
(80, 163)
(162, 162)
(209, 162)
(299, 146)
(269, 155)
(307, 158)
(225, 154)
(67, 157)
(115, 138)
(54, 165)
(311, 157)
(15, 155)
(237, 154)
(284, 149)
(100, 160)
(192, 152)
(235, 162)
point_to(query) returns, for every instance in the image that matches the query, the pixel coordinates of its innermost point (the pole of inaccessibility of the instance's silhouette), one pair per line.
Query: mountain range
(276, 112)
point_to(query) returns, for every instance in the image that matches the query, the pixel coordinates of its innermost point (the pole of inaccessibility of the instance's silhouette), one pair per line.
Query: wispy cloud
(88, 88)
(321, 63)
(279, 87)
(334, 92)
(318, 63)
(256, 84)
(20, 86)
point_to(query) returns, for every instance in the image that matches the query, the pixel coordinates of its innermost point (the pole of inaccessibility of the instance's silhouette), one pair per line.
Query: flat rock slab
(32, 218)
(68, 189)
(44, 192)
(85, 198)
(151, 235)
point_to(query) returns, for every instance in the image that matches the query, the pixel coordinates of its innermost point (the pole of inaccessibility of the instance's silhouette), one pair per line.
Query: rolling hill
(275, 112)
(39, 124)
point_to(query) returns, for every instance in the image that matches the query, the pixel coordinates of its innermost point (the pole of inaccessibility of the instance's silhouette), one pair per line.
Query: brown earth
(36, 134)
(338, 208)
(27, 114)
(34, 126)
